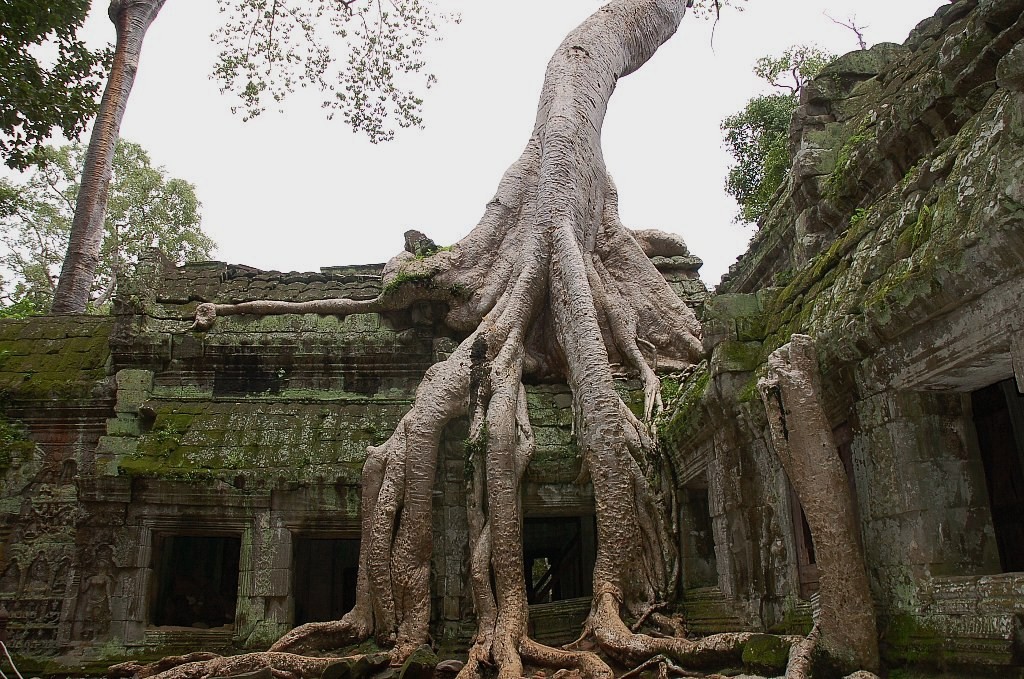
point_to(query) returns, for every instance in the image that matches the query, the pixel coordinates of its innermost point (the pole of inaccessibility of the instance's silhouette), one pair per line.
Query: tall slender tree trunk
(803, 441)
(131, 18)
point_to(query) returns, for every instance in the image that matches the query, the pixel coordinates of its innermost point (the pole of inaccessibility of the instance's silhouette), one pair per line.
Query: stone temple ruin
(166, 490)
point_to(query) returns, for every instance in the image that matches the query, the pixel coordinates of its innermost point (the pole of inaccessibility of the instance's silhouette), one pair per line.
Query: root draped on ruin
(549, 284)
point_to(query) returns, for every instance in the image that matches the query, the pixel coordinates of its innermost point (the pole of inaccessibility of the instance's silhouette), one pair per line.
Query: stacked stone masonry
(897, 243)
(140, 457)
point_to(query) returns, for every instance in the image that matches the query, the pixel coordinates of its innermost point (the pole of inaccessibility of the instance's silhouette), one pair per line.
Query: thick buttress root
(549, 284)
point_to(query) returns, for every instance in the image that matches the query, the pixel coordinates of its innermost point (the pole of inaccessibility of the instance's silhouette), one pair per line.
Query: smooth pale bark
(131, 18)
(802, 439)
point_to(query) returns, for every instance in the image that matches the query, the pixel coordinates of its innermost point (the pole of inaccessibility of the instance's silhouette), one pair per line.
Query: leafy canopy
(794, 67)
(146, 208)
(40, 95)
(270, 47)
(756, 137)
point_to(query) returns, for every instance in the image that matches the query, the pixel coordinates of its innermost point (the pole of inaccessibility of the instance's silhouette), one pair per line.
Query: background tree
(146, 208)
(269, 47)
(756, 137)
(39, 96)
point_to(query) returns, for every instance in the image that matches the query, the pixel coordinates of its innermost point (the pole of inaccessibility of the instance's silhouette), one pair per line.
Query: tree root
(318, 636)
(665, 667)
(549, 284)
(139, 670)
(283, 666)
(802, 439)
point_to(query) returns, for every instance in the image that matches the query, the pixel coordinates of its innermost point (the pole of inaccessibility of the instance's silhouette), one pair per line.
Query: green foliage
(798, 64)
(146, 208)
(38, 95)
(756, 137)
(270, 47)
(22, 308)
(857, 217)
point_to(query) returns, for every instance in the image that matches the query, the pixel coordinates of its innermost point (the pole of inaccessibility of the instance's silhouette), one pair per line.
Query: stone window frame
(159, 526)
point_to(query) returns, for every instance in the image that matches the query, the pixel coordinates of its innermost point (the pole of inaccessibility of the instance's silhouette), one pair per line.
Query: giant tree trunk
(132, 18)
(548, 284)
(802, 438)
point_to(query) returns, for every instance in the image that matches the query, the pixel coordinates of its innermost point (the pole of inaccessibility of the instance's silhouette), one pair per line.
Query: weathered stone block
(959, 50)
(766, 654)
(1000, 12)
(246, 583)
(123, 425)
(419, 665)
(129, 400)
(732, 356)
(280, 583)
(117, 446)
(730, 306)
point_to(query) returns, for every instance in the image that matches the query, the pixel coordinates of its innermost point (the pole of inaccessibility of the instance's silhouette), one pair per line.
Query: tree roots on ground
(549, 284)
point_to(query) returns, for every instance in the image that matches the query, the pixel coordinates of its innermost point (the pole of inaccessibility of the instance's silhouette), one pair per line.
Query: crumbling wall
(55, 396)
(898, 244)
(132, 435)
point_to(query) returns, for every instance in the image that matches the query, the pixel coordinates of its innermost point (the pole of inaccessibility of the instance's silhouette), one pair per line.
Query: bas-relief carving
(39, 563)
(93, 615)
(32, 589)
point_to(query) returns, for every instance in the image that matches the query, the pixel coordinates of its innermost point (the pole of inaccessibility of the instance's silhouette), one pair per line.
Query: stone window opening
(195, 580)
(558, 557)
(998, 413)
(324, 575)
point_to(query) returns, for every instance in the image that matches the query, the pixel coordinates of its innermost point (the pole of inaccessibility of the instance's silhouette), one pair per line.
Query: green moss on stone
(419, 665)
(670, 388)
(15, 445)
(403, 278)
(765, 654)
(844, 157)
(905, 639)
(917, 235)
(49, 358)
(730, 356)
(687, 415)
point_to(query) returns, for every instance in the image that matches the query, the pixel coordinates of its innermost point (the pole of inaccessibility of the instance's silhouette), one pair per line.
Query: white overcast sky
(292, 191)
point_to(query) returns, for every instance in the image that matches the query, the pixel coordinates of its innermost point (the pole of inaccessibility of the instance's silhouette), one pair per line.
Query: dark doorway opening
(999, 420)
(324, 578)
(558, 556)
(196, 580)
(700, 567)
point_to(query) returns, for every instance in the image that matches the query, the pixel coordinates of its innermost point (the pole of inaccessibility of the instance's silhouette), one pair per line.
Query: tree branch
(851, 23)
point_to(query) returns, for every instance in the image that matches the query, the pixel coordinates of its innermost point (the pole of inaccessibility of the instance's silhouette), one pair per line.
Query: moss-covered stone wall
(898, 244)
(125, 433)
